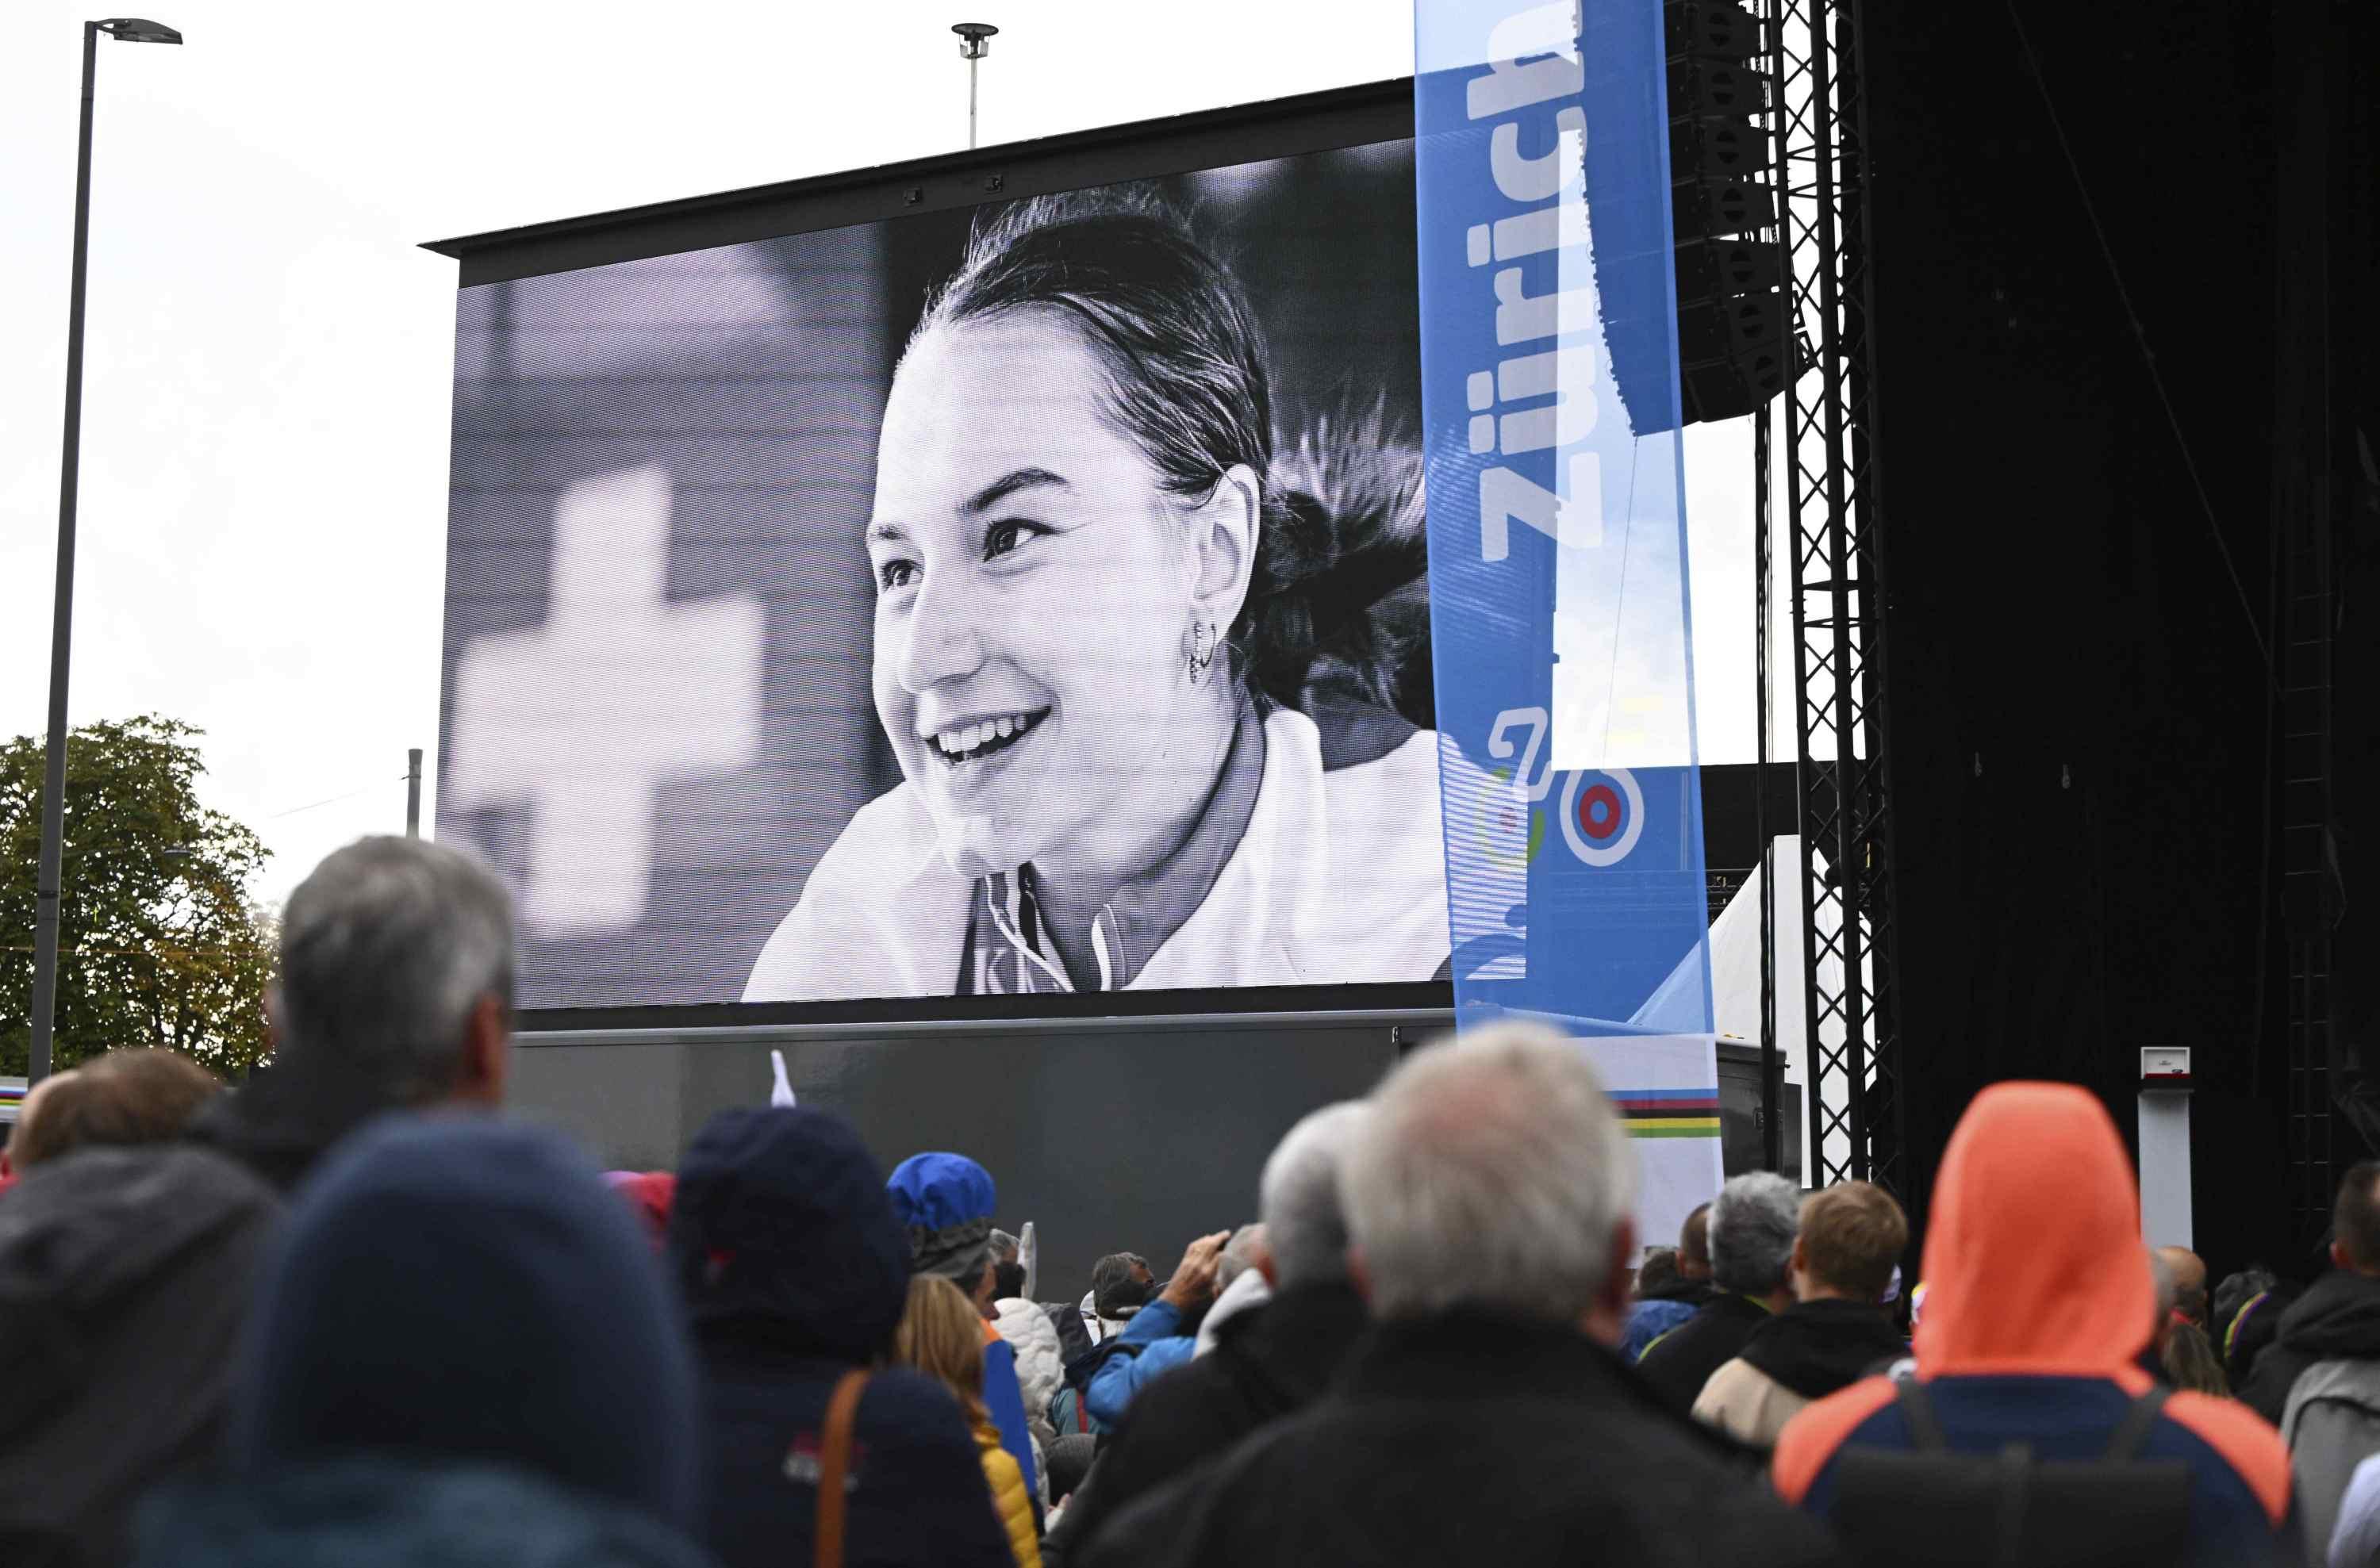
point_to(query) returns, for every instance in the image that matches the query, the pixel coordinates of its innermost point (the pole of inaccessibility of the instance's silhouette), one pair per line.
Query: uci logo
(1601, 809)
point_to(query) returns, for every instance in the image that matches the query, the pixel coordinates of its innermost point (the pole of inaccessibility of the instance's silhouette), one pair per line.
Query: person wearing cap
(1121, 1285)
(945, 1201)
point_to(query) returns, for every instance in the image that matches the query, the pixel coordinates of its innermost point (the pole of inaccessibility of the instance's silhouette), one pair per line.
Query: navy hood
(782, 1234)
(458, 1289)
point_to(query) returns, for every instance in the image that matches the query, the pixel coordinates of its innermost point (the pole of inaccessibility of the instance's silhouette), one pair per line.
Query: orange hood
(2033, 1260)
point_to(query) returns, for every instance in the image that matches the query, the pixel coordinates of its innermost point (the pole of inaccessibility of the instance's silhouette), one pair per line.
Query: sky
(268, 352)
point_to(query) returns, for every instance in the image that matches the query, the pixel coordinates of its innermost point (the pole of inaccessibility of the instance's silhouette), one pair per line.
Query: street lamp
(974, 42)
(127, 29)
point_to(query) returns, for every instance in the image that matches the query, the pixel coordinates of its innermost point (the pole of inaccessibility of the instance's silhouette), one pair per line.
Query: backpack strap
(1917, 1409)
(834, 1464)
(2133, 1429)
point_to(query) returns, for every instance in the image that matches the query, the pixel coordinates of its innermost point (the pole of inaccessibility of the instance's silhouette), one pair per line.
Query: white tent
(1735, 976)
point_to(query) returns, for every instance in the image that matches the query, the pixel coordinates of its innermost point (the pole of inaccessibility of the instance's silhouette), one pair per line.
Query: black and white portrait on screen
(1028, 600)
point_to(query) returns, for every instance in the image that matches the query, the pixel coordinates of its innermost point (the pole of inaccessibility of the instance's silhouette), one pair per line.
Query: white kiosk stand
(2165, 1145)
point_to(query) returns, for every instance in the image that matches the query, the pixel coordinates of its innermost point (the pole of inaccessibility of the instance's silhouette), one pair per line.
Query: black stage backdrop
(2087, 852)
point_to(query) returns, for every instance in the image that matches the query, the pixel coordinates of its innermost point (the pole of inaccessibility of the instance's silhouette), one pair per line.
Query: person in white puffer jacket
(1040, 1371)
(1040, 1367)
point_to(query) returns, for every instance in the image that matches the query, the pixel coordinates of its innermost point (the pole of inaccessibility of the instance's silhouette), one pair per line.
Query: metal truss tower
(1829, 531)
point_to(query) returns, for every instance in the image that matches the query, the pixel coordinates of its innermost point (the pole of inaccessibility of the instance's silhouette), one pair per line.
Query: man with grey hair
(1268, 1360)
(395, 991)
(1753, 1223)
(1487, 1198)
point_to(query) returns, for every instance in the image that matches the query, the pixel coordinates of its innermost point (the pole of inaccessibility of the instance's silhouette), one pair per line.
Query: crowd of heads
(443, 1307)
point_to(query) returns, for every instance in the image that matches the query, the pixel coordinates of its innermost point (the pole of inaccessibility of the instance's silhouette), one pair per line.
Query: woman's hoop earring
(1200, 655)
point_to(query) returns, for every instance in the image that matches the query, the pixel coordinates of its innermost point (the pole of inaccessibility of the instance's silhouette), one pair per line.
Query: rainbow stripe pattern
(1669, 1113)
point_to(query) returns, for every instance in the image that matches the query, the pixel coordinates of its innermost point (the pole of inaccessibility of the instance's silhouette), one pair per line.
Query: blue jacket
(2241, 1508)
(1158, 1347)
(1648, 1321)
(1003, 1401)
(2039, 1298)
(796, 1272)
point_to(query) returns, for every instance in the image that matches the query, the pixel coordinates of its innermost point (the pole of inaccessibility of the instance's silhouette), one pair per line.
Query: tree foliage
(159, 943)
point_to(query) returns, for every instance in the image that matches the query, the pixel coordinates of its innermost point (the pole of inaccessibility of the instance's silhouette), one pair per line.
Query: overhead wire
(329, 801)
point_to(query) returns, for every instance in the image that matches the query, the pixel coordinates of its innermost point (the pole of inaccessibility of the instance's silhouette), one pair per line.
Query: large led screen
(1026, 599)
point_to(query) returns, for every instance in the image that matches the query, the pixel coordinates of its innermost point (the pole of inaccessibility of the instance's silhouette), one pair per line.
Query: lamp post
(127, 29)
(974, 42)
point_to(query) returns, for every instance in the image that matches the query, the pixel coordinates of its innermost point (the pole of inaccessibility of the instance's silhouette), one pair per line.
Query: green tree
(159, 943)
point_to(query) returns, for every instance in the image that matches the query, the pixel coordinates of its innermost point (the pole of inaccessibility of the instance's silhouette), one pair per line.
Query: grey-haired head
(396, 967)
(1753, 1223)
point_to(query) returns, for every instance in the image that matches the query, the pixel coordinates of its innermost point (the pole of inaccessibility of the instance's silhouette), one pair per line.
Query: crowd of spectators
(351, 1313)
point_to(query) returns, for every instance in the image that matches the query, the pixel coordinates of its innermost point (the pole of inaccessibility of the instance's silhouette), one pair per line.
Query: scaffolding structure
(1819, 498)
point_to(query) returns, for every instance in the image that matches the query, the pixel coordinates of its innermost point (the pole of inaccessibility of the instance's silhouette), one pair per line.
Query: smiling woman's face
(1034, 595)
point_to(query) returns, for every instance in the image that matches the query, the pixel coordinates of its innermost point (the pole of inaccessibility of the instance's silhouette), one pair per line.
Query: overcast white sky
(268, 356)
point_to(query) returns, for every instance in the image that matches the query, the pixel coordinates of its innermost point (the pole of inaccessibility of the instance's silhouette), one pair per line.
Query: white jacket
(1250, 1290)
(1339, 879)
(1040, 1363)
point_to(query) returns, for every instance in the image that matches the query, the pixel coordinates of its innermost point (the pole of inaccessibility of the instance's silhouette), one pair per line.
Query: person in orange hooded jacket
(2039, 1303)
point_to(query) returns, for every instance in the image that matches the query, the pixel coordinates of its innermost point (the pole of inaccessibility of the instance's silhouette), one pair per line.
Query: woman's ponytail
(1339, 604)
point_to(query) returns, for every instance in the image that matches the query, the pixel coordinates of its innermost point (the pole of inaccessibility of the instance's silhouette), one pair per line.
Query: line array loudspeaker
(1732, 349)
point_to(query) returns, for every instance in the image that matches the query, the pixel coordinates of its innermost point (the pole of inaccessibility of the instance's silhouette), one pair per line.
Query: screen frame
(1250, 133)
(1214, 139)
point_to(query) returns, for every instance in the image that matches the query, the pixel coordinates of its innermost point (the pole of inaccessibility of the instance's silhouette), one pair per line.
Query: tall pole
(49, 878)
(974, 39)
(413, 793)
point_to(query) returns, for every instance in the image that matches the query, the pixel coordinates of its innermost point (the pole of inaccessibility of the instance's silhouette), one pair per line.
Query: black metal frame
(1341, 117)
(1772, 1066)
(1279, 128)
(1850, 984)
(2319, 1082)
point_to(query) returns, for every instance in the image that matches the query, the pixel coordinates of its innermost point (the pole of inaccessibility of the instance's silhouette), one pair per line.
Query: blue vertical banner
(1559, 594)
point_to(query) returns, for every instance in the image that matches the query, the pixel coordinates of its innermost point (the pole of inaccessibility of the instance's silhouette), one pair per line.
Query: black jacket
(1681, 1361)
(1817, 1347)
(2338, 1316)
(1470, 1438)
(287, 1116)
(1268, 1362)
(123, 1283)
(796, 1272)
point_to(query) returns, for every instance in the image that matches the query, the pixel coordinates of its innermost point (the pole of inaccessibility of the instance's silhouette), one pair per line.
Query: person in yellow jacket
(942, 1335)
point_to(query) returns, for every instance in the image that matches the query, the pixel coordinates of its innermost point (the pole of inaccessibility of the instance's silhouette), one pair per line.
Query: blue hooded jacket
(796, 1272)
(459, 1321)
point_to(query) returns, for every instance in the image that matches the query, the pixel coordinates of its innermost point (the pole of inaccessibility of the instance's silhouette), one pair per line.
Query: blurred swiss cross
(621, 691)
